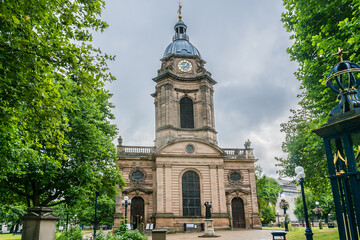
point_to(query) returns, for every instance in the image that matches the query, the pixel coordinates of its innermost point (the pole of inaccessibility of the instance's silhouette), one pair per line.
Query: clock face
(184, 66)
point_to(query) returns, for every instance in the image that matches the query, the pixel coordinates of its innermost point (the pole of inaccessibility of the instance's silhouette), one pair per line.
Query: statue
(208, 212)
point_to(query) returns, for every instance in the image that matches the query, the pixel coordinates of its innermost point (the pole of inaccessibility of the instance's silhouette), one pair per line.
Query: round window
(137, 175)
(190, 148)
(235, 177)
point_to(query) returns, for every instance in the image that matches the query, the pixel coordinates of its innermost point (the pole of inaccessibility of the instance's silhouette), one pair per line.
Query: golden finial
(340, 54)
(179, 10)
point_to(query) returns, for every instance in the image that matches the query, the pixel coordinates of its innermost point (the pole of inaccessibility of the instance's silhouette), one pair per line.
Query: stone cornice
(186, 129)
(186, 90)
(185, 79)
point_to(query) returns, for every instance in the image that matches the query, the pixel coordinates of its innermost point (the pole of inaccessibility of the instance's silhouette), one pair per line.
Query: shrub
(74, 233)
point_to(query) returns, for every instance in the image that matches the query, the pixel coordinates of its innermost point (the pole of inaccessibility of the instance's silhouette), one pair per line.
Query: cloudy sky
(244, 44)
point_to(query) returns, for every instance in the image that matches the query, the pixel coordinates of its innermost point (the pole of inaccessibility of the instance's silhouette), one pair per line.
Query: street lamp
(125, 203)
(300, 177)
(318, 211)
(340, 135)
(96, 197)
(284, 205)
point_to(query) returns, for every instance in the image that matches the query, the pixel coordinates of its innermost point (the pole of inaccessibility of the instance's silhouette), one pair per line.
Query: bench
(279, 235)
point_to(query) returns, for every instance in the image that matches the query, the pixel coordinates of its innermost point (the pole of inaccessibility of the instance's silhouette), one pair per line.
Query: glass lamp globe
(282, 196)
(299, 169)
(126, 198)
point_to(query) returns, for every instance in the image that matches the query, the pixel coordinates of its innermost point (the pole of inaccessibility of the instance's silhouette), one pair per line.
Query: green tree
(318, 28)
(55, 135)
(267, 190)
(105, 212)
(326, 202)
(11, 214)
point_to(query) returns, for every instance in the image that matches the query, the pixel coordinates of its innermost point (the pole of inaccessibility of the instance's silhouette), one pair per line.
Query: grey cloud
(244, 45)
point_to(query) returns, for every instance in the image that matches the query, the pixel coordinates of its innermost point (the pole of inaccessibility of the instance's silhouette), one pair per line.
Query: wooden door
(238, 213)
(137, 211)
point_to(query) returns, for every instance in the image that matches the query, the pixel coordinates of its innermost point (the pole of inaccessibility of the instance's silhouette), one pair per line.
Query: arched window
(186, 113)
(191, 194)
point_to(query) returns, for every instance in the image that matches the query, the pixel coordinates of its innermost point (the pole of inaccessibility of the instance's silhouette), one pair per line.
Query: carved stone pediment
(237, 190)
(137, 189)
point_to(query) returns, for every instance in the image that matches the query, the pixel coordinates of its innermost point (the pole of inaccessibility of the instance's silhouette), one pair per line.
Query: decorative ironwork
(340, 54)
(340, 133)
(343, 81)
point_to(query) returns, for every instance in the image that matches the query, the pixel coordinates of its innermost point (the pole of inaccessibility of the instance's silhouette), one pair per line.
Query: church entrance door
(137, 212)
(238, 213)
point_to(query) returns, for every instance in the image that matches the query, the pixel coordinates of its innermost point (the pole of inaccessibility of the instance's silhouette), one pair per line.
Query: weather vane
(340, 54)
(179, 10)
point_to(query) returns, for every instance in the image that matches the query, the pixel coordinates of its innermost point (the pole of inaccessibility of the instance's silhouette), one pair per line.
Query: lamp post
(284, 205)
(300, 176)
(318, 211)
(95, 222)
(125, 203)
(340, 135)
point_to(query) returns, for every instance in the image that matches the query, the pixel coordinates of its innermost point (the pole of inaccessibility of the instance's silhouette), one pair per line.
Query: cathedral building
(168, 183)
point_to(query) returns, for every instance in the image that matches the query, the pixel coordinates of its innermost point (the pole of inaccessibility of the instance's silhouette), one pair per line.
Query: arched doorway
(238, 213)
(137, 211)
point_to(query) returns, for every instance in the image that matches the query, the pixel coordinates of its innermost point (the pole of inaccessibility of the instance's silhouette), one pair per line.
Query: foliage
(318, 28)
(55, 135)
(325, 202)
(122, 234)
(267, 191)
(105, 212)
(74, 233)
(267, 214)
(11, 214)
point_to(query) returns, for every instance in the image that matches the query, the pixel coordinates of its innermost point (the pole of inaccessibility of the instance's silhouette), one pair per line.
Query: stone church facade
(169, 183)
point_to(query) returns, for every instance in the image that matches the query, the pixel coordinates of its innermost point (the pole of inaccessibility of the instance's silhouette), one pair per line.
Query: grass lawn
(298, 233)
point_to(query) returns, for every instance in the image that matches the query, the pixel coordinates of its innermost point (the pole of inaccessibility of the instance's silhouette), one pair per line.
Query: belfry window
(191, 194)
(186, 113)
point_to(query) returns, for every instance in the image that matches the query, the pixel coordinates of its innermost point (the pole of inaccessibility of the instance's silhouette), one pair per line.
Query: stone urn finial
(247, 144)
(120, 141)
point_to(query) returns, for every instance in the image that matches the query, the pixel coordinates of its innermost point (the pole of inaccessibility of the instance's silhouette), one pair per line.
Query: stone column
(168, 193)
(214, 189)
(256, 222)
(160, 188)
(39, 224)
(222, 189)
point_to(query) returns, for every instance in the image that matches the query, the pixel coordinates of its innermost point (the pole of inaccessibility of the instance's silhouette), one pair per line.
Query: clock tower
(169, 183)
(183, 97)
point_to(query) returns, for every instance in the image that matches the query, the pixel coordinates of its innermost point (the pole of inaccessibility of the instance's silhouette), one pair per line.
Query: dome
(181, 45)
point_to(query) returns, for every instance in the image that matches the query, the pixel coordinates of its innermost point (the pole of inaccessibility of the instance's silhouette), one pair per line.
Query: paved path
(225, 235)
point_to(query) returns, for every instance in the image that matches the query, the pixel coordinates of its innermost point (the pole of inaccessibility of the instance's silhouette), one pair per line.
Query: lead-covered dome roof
(181, 45)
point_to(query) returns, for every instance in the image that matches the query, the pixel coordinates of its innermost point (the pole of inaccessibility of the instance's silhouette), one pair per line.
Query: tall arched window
(186, 113)
(191, 194)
